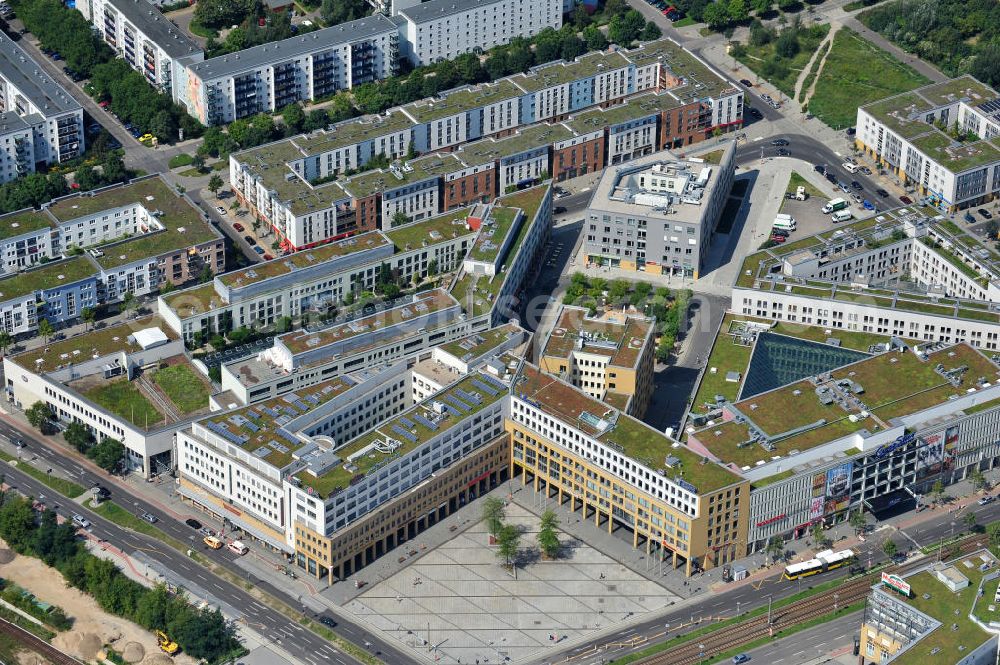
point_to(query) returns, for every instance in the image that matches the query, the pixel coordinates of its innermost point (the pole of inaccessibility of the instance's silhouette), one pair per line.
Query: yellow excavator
(167, 645)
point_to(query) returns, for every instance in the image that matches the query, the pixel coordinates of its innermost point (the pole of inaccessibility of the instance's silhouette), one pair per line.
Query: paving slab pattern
(457, 604)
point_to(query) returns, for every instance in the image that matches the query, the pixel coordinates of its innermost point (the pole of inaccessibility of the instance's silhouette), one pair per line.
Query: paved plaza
(457, 604)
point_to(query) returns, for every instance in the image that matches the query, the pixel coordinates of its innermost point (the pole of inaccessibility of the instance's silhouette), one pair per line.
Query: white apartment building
(267, 78)
(445, 29)
(56, 119)
(145, 39)
(17, 150)
(910, 134)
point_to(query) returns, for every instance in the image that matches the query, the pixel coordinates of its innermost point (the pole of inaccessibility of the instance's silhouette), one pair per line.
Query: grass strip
(13, 617)
(112, 512)
(65, 487)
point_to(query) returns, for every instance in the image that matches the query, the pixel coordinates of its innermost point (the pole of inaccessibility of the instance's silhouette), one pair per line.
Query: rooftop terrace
(94, 344)
(416, 434)
(620, 341)
(23, 221)
(261, 427)
(305, 259)
(48, 276)
(631, 437)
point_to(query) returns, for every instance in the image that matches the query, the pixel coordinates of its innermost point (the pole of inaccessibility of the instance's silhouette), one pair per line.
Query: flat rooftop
(493, 235)
(413, 171)
(474, 346)
(531, 137)
(561, 72)
(47, 276)
(657, 185)
(621, 341)
(807, 413)
(462, 99)
(689, 79)
(350, 132)
(632, 437)
(643, 106)
(94, 344)
(23, 73)
(260, 429)
(421, 304)
(184, 224)
(195, 300)
(326, 39)
(407, 432)
(308, 258)
(148, 20)
(24, 221)
(431, 231)
(435, 9)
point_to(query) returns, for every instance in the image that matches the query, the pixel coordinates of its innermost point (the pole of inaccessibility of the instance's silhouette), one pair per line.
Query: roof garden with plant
(50, 275)
(621, 341)
(461, 100)
(562, 72)
(410, 172)
(474, 346)
(623, 433)
(24, 221)
(431, 231)
(195, 300)
(95, 344)
(407, 431)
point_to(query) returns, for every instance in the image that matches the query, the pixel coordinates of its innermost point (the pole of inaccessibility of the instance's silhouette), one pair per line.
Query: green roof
(964, 88)
(461, 100)
(629, 436)
(902, 114)
(493, 237)
(195, 300)
(23, 221)
(528, 138)
(415, 170)
(340, 477)
(47, 276)
(693, 78)
(430, 231)
(259, 429)
(184, 225)
(347, 133)
(474, 346)
(284, 265)
(956, 156)
(644, 106)
(547, 76)
(98, 342)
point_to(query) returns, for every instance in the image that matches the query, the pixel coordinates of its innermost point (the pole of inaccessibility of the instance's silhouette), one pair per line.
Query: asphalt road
(810, 643)
(305, 646)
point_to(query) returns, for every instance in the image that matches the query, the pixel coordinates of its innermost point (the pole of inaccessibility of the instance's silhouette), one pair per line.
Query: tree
(819, 535)
(89, 316)
(215, 184)
(716, 15)
(432, 268)
(571, 47)
(17, 523)
(993, 531)
(128, 301)
(399, 218)
(738, 10)
(107, 454)
(548, 541)
(890, 548)
(163, 125)
(548, 45)
(45, 329)
(5, 341)
(78, 435)
(40, 416)
(858, 520)
(625, 29)
(937, 491)
(294, 117)
(971, 521)
(594, 38)
(787, 45)
(493, 514)
(650, 32)
(508, 540)
(978, 480)
(775, 548)
(198, 161)
(761, 6)
(619, 289)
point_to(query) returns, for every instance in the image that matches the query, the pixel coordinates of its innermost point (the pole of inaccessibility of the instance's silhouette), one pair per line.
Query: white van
(833, 206)
(842, 216)
(784, 224)
(851, 168)
(238, 547)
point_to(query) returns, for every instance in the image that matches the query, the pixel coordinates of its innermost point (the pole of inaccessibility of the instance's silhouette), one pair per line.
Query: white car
(222, 211)
(81, 521)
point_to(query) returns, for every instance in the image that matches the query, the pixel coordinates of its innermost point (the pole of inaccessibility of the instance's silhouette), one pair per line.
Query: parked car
(238, 227)
(250, 240)
(986, 500)
(205, 531)
(969, 218)
(774, 105)
(778, 239)
(193, 523)
(906, 200)
(268, 257)
(868, 205)
(741, 658)
(851, 131)
(865, 170)
(746, 82)
(220, 210)
(832, 178)
(781, 152)
(779, 142)
(780, 232)
(766, 97)
(259, 250)
(328, 622)
(986, 214)
(820, 168)
(881, 192)
(856, 185)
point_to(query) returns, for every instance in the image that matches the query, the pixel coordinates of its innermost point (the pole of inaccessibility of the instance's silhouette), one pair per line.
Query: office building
(266, 78)
(144, 38)
(912, 135)
(658, 213)
(55, 118)
(610, 358)
(445, 29)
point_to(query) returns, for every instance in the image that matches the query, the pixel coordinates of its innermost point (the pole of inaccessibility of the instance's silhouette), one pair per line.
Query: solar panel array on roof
(496, 383)
(269, 411)
(277, 446)
(253, 414)
(468, 397)
(404, 433)
(455, 403)
(485, 387)
(288, 436)
(262, 452)
(426, 423)
(312, 399)
(405, 422)
(450, 409)
(281, 421)
(224, 432)
(251, 426)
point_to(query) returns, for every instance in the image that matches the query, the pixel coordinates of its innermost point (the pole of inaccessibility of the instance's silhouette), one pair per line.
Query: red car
(778, 239)
(905, 200)
(268, 257)
(238, 227)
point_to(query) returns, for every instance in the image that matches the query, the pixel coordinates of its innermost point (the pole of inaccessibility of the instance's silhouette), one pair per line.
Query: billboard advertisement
(818, 496)
(950, 447)
(838, 488)
(930, 456)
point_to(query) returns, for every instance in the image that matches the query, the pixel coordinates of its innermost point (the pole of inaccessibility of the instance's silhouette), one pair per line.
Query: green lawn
(856, 73)
(687, 20)
(125, 400)
(725, 357)
(183, 386)
(180, 160)
(784, 72)
(64, 487)
(795, 180)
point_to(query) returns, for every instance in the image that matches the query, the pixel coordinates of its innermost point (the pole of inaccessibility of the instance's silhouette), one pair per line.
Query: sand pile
(85, 645)
(158, 659)
(6, 555)
(133, 652)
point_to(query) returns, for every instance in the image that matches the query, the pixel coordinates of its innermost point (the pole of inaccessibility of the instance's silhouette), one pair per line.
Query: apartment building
(57, 291)
(610, 359)
(445, 29)
(145, 38)
(912, 135)
(17, 150)
(55, 118)
(268, 77)
(657, 213)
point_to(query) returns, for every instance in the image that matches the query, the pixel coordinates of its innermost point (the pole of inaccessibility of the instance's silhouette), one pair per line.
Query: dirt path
(92, 627)
(804, 74)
